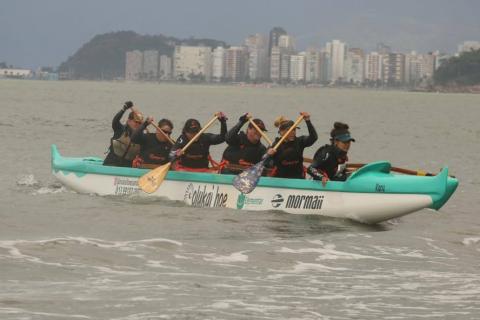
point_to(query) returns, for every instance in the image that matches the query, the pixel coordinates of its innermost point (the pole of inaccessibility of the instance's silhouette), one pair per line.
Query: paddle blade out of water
(246, 181)
(151, 181)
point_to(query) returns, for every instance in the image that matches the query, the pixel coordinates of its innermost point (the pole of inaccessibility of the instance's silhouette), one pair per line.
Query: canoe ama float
(370, 195)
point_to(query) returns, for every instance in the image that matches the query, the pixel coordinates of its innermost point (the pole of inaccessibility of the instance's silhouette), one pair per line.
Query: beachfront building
(192, 63)
(419, 67)
(150, 65)
(218, 64)
(337, 51)
(236, 66)
(257, 57)
(133, 65)
(393, 69)
(165, 71)
(16, 73)
(373, 67)
(468, 46)
(354, 66)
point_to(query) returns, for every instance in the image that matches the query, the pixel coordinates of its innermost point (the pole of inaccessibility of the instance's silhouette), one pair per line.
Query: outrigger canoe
(371, 194)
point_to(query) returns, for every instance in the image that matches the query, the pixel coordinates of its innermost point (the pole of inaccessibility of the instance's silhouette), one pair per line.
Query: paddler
(244, 148)
(329, 162)
(287, 161)
(197, 156)
(122, 151)
(154, 147)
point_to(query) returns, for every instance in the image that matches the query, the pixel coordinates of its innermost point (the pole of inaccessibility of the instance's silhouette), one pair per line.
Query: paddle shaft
(299, 119)
(163, 133)
(260, 131)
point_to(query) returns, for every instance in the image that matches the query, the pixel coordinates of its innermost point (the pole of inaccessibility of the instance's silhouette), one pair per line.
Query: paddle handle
(163, 133)
(260, 131)
(199, 133)
(299, 119)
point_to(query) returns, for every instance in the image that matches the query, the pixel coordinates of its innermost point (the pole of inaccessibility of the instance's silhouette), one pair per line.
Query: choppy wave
(28, 182)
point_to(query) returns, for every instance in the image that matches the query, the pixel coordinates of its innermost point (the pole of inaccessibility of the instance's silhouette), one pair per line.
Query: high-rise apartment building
(393, 68)
(354, 66)
(419, 67)
(150, 65)
(275, 63)
(337, 51)
(218, 64)
(165, 68)
(468, 45)
(275, 34)
(373, 67)
(257, 48)
(297, 67)
(236, 66)
(133, 65)
(192, 62)
(313, 66)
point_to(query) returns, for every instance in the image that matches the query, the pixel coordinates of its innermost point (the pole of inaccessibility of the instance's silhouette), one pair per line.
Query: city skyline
(46, 33)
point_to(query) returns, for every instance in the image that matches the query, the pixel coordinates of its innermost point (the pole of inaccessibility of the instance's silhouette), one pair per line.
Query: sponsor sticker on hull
(203, 195)
(243, 200)
(298, 201)
(124, 186)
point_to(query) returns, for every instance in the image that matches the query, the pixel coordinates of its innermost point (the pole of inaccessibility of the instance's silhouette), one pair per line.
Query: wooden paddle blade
(246, 181)
(151, 181)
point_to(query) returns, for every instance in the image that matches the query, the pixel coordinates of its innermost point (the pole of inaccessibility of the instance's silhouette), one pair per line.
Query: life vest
(124, 148)
(288, 160)
(154, 151)
(196, 155)
(246, 153)
(333, 162)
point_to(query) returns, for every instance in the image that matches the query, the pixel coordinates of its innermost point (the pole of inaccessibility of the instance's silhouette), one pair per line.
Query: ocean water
(65, 255)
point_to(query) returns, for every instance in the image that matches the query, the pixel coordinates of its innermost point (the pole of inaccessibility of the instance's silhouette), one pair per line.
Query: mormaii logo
(304, 202)
(277, 200)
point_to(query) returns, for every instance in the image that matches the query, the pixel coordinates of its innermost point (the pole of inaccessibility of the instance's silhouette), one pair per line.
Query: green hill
(103, 57)
(460, 71)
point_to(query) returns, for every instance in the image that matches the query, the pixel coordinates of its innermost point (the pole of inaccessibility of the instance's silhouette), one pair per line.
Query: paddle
(150, 181)
(246, 181)
(163, 133)
(394, 169)
(260, 131)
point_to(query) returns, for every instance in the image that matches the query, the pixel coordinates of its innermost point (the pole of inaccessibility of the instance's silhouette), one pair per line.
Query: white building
(236, 63)
(337, 51)
(192, 62)
(275, 63)
(287, 42)
(218, 63)
(297, 67)
(468, 45)
(165, 68)
(257, 47)
(313, 61)
(133, 65)
(373, 66)
(354, 65)
(150, 65)
(15, 73)
(419, 67)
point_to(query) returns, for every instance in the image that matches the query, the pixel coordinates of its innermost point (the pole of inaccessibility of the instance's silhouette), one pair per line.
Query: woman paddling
(197, 156)
(244, 148)
(155, 147)
(287, 161)
(329, 162)
(122, 150)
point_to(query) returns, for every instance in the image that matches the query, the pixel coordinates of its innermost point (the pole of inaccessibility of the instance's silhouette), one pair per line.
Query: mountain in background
(103, 57)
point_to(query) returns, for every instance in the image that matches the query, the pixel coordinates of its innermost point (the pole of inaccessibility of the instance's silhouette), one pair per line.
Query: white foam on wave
(48, 314)
(328, 252)
(234, 257)
(123, 245)
(49, 190)
(471, 240)
(27, 180)
(303, 267)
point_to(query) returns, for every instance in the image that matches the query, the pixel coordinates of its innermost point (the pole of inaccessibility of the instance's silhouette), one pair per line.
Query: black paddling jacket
(328, 161)
(119, 130)
(288, 160)
(197, 154)
(240, 150)
(152, 150)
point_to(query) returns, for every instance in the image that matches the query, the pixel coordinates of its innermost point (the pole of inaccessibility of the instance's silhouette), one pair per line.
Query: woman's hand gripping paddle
(152, 180)
(246, 181)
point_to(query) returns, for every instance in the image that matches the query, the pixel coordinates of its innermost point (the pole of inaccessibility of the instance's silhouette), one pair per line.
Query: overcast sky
(45, 32)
